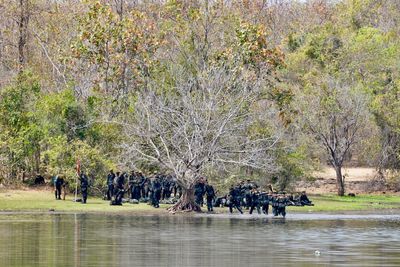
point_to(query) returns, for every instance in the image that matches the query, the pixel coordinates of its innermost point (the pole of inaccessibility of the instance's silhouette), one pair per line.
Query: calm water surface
(200, 240)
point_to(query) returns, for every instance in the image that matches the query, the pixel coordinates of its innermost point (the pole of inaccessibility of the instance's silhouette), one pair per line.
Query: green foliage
(114, 45)
(20, 133)
(47, 133)
(62, 156)
(45, 123)
(295, 165)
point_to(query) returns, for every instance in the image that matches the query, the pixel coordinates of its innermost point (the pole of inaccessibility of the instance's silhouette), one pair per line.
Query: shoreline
(221, 214)
(220, 211)
(19, 201)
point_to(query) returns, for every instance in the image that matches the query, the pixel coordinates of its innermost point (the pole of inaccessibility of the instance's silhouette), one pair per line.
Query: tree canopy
(219, 88)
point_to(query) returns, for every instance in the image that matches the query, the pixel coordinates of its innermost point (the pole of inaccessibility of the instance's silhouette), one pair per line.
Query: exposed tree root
(180, 206)
(185, 204)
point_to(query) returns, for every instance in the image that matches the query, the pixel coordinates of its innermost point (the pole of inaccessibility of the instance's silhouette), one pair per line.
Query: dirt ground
(357, 180)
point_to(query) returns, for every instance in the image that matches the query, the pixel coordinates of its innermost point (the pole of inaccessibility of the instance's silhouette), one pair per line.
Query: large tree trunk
(339, 180)
(186, 202)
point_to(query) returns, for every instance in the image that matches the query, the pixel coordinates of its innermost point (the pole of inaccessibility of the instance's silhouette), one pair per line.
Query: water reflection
(119, 240)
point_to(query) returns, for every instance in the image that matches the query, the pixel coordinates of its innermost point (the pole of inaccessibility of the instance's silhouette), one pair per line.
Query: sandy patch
(352, 174)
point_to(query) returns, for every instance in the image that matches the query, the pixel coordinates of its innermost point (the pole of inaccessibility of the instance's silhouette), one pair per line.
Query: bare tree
(23, 32)
(204, 121)
(334, 114)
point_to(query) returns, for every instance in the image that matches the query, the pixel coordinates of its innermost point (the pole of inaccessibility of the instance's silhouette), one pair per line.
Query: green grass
(42, 200)
(332, 203)
(33, 200)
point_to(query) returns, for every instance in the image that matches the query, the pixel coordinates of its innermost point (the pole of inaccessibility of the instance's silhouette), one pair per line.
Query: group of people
(203, 189)
(248, 195)
(153, 189)
(141, 188)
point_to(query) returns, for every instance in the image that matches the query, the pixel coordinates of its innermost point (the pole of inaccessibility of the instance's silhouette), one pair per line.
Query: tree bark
(339, 181)
(23, 32)
(186, 202)
(37, 160)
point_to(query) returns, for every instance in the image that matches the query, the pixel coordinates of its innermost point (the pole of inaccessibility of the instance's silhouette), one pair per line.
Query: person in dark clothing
(110, 184)
(264, 202)
(304, 201)
(155, 192)
(233, 199)
(281, 203)
(177, 190)
(119, 189)
(255, 203)
(135, 186)
(84, 186)
(292, 200)
(58, 183)
(210, 194)
(221, 201)
(130, 183)
(166, 187)
(247, 188)
(199, 191)
(144, 186)
(274, 204)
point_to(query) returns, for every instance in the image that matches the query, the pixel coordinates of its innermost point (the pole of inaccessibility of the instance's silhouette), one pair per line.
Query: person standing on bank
(84, 186)
(210, 193)
(58, 183)
(110, 184)
(119, 189)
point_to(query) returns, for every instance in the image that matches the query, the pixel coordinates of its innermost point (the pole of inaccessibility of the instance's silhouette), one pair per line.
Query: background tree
(332, 105)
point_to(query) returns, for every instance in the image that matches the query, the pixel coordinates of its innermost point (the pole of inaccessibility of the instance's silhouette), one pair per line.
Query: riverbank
(31, 200)
(43, 201)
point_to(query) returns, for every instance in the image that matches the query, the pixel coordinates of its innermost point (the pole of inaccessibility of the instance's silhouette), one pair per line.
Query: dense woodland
(266, 89)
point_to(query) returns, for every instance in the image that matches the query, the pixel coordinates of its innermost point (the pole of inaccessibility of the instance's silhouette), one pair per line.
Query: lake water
(198, 240)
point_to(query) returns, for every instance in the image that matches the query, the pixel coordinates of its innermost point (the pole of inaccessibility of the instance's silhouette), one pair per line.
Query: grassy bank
(332, 203)
(42, 200)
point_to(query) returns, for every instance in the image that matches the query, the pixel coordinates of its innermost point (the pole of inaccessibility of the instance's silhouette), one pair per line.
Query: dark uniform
(135, 185)
(199, 191)
(155, 192)
(247, 187)
(58, 183)
(304, 201)
(177, 190)
(84, 186)
(210, 193)
(264, 202)
(145, 186)
(255, 203)
(234, 199)
(274, 204)
(110, 185)
(281, 203)
(119, 189)
(166, 187)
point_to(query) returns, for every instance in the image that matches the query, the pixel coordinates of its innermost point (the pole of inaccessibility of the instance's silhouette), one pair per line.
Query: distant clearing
(352, 174)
